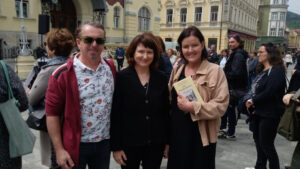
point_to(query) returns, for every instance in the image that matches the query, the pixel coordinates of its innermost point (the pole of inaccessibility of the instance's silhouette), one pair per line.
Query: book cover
(187, 88)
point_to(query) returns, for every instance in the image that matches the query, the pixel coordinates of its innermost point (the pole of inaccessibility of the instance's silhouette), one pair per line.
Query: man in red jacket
(78, 104)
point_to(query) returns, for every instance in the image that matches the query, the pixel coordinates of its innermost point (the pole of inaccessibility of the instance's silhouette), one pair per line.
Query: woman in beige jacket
(194, 125)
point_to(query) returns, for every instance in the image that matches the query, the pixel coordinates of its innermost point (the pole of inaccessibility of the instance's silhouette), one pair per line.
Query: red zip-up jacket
(62, 99)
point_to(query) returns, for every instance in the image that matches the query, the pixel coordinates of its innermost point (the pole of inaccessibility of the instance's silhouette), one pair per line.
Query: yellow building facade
(294, 39)
(217, 20)
(123, 20)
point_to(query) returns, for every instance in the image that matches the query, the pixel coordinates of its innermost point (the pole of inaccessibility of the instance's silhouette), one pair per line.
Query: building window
(275, 1)
(168, 39)
(25, 8)
(280, 32)
(183, 12)
(116, 17)
(274, 16)
(214, 13)
(144, 19)
(169, 16)
(282, 16)
(283, 2)
(102, 18)
(273, 32)
(198, 14)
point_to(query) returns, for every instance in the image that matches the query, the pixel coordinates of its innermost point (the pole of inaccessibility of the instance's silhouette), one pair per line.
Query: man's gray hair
(90, 23)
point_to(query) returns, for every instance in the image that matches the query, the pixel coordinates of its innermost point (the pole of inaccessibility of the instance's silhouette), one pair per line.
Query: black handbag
(37, 117)
(289, 125)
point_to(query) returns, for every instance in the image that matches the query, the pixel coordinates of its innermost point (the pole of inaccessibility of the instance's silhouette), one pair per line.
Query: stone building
(217, 20)
(122, 19)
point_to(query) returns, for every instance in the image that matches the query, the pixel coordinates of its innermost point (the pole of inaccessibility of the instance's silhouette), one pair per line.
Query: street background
(230, 154)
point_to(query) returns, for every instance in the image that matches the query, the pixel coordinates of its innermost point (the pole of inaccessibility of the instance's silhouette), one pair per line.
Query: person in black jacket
(140, 110)
(267, 91)
(237, 76)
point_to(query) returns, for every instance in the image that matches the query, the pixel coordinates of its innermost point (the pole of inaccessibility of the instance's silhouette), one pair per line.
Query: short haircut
(226, 51)
(192, 31)
(148, 40)
(90, 23)
(61, 41)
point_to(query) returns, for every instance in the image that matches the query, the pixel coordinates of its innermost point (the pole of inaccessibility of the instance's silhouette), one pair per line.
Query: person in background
(223, 58)
(237, 77)
(212, 55)
(251, 64)
(179, 59)
(288, 59)
(60, 43)
(78, 103)
(171, 54)
(19, 93)
(266, 103)
(164, 63)
(195, 124)
(293, 87)
(120, 52)
(105, 54)
(140, 111)
(297, 56)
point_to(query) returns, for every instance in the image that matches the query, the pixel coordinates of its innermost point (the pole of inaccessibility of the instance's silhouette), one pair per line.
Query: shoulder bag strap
(10, 93)
(297, 94)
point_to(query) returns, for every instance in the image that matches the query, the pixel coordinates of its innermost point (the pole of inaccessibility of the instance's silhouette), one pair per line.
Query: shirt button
(146, 101)
(147, 117)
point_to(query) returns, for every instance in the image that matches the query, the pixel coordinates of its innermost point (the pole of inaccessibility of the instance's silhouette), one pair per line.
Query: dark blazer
(269, 93)
(137, 119)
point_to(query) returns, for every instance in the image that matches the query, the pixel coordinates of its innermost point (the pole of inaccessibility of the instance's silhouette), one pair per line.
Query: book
(187, 88)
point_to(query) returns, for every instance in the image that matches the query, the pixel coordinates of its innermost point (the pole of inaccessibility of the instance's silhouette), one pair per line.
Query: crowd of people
(136, 113)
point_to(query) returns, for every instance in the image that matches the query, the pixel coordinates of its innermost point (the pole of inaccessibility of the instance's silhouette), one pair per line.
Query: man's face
(233, 44)
(93, 49)
(212, 48)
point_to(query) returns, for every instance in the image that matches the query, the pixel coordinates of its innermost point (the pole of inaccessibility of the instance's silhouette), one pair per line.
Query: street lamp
(24, 51)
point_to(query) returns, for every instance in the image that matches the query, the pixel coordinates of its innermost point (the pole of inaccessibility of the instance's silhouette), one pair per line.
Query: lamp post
(24, 50)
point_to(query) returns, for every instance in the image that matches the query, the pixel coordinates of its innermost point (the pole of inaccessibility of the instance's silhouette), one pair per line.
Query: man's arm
(63, 158)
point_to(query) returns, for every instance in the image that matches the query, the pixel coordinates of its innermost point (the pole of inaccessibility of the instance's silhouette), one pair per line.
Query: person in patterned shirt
(80, 95)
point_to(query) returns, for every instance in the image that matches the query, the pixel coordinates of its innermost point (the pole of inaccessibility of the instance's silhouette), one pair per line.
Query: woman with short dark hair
(266, 104)
(140, 109)
(195, 123)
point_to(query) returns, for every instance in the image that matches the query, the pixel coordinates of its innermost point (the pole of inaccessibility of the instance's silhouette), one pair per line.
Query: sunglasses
(89, 40)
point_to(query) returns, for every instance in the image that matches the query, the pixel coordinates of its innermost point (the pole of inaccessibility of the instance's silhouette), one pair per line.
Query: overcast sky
(294, 6)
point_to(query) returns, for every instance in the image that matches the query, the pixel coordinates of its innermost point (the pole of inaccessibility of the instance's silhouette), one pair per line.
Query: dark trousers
(231, 116)
(120, 63)
(149, 157)
(95, 155)
(264, 133)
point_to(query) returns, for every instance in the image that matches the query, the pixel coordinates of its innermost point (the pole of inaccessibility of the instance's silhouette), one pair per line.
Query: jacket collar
(202, 70)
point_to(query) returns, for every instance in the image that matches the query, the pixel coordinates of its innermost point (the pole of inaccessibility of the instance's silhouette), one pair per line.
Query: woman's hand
(286, 98)
(249, 103)
(119, 157)
(166, 152)
(184, 104)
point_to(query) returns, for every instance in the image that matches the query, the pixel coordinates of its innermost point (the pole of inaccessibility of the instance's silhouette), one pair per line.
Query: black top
(185, 138)
(236, 69)
(269, 92)
(140, 114)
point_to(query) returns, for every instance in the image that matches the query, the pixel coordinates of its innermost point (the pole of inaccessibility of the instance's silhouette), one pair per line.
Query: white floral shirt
(95, 92)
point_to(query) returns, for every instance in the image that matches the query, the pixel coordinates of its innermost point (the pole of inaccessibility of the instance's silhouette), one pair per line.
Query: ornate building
(122, 19)
(217, 19)
(272, 21)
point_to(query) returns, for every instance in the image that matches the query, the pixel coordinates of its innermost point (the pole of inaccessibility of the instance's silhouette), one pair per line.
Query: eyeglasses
(89, 40)
(233, 36)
